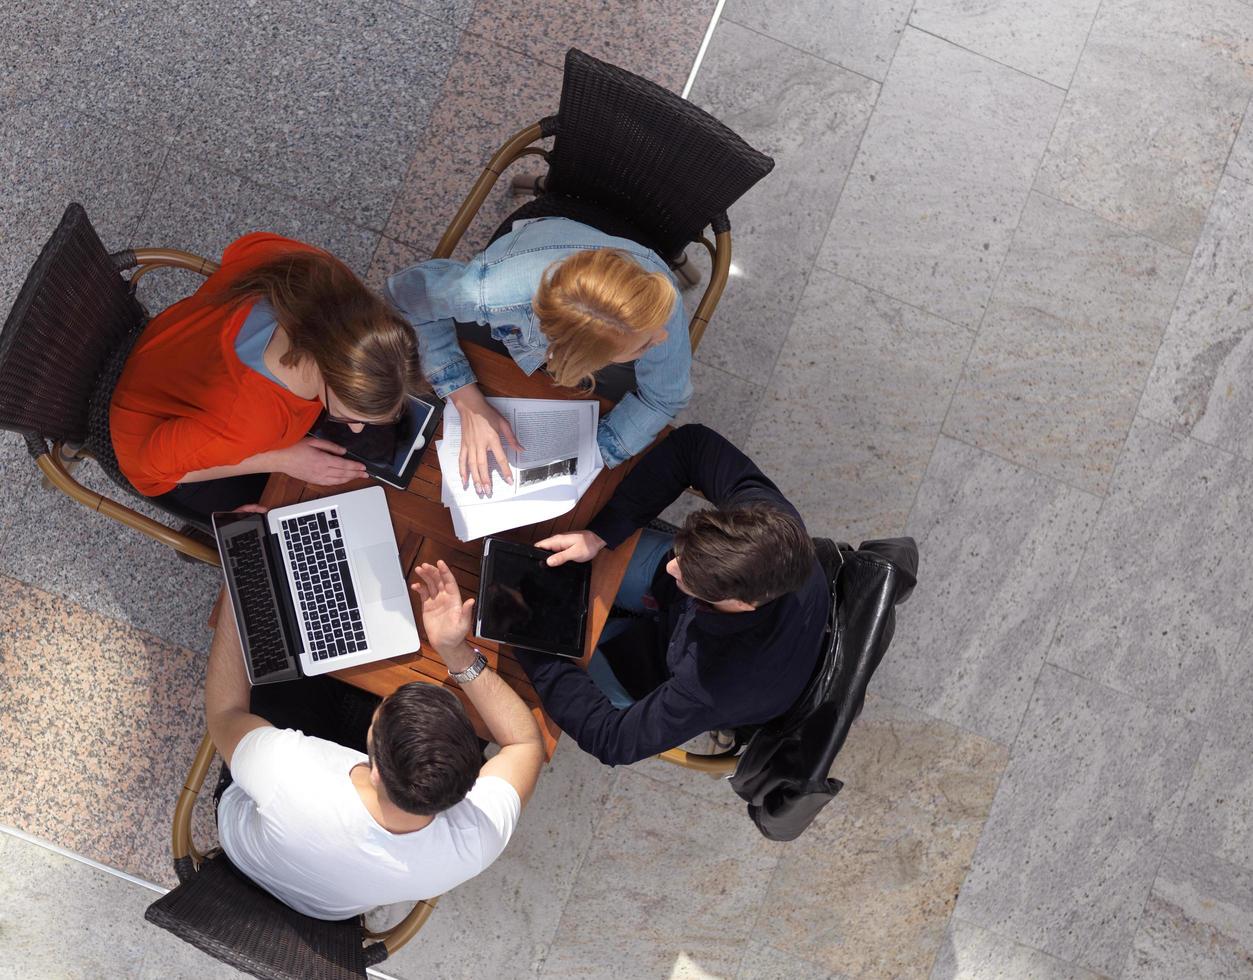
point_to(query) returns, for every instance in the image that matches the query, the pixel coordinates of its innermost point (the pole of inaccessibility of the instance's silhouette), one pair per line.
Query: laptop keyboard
(325, 597)
(267, 650)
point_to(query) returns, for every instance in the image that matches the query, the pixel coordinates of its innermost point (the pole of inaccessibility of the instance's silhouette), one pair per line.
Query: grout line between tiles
(979, 54)
(835, 206)
(81, 858)
(704, 46)
(1084, 47)
(811, 54)
(1136, 232)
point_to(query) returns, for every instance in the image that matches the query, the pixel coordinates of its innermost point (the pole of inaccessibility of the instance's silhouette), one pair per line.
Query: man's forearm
(226, 686)
(503, 712)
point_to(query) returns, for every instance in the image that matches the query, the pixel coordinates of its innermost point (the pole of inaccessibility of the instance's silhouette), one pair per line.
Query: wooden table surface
(424, 533)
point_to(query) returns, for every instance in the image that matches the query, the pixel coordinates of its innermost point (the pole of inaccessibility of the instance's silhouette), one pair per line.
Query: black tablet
(391, 453)
(524, 603)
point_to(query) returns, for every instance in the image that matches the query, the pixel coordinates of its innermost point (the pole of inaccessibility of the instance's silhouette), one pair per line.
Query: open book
(559, 461)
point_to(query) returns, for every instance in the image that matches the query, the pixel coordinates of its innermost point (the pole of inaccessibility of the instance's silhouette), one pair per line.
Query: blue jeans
(649, 553)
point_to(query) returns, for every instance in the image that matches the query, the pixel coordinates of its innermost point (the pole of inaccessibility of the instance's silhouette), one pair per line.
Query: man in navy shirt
(731, 608)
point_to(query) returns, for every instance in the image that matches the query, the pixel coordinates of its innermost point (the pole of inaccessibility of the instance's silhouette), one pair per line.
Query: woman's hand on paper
(445, 617)
(576, 546)
(482, 429)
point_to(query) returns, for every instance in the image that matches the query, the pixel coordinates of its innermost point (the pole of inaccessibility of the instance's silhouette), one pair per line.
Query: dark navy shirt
(716, 670)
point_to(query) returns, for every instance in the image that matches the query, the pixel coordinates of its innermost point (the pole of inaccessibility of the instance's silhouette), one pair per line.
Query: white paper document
(558, 462)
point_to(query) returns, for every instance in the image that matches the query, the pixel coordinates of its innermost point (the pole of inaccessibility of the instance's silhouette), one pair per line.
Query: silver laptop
(316, 586)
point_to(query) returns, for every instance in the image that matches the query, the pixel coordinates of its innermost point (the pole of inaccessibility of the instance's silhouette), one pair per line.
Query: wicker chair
(62, 350)
(635, 161)
(220, 912)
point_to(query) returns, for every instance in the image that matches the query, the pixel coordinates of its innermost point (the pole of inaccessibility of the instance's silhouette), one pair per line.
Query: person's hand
(482, 429)
(320, 462)
(446, 618)
(576, 546)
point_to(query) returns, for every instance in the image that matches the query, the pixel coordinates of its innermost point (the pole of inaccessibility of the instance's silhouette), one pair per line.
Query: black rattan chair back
(644, 153)
(73, 312)
(222, 913)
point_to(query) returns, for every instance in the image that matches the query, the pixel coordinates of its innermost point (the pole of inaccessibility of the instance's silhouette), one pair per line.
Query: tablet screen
(528, 604)
(387, 450)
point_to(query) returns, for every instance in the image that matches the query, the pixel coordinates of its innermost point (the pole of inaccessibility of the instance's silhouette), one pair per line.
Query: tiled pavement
(994, 294)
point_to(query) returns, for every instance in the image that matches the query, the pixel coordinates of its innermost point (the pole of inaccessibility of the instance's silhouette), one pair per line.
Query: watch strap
(473, 671)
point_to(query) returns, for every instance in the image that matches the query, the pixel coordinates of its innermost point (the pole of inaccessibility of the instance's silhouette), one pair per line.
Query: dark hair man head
(423, 751)
(740, 559)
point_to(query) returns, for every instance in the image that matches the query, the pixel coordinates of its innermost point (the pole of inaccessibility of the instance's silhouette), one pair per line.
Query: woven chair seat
(222, 913)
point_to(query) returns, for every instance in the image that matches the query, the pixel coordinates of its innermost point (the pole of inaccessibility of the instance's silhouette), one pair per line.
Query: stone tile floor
(994, 295)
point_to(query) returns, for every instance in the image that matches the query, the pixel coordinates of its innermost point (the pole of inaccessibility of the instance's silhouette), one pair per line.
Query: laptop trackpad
(378, 573)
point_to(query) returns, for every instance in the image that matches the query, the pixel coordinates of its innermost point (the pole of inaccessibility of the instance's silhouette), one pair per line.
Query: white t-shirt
(292, 822)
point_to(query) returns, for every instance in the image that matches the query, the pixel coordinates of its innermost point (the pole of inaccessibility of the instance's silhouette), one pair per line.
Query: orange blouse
(186, 401)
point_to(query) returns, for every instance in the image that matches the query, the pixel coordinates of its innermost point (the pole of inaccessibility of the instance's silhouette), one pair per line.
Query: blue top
(495, 289)
(254, 336)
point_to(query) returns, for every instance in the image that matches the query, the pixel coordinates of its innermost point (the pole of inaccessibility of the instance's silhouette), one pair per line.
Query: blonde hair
(364, 350)
(595, 306)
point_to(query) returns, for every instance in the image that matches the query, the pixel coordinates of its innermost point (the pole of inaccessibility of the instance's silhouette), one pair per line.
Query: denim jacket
(495, 288)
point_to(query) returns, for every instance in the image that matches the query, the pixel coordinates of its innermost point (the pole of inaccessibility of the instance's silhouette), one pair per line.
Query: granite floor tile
(854, 407)
(722, 401)
(868, 888)
(665, 874)
(58, 545)
(1198, 921)
(98, 725)
(1068, 853)
(1197, 385)
(469, 123)
(1152, 114)
(652, 38)
(40, 41)
(203, 209)
(327, 104)
(518, 900)
(50, 156)
(1044, 41)
(456, 12)
(972, 953)
(1066, 344)
(855, 35)
(919, 218)
(390, 256)
(809, 117)
(764, 962)
(61, 918)
(1217, 815)
(1158, 606)
(998, 546)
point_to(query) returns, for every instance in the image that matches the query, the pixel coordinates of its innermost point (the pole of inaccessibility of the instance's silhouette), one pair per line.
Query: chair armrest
(404, 930)
(720, 254)
(720, 764)
(181, 838)
(517, 146)
(54, 469)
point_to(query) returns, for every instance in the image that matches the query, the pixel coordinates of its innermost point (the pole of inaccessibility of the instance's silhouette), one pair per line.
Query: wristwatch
(473, 671)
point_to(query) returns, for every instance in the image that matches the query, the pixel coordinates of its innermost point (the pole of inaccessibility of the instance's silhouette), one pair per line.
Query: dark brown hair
(754, 553)
(365, 351)
(425, 749)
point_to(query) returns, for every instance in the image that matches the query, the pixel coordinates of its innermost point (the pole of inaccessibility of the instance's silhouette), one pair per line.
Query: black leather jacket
(783, 772)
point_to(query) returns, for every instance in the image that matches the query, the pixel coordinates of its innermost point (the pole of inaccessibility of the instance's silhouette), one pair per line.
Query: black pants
(228, 493)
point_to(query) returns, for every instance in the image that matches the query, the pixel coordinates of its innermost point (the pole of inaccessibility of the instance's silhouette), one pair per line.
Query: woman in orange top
(221, 388)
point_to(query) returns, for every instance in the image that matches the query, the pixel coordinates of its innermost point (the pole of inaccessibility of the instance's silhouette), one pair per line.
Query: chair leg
(686, 270)
(532, 184)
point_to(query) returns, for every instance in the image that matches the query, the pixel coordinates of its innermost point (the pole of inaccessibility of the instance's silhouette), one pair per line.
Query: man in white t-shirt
(332, 831)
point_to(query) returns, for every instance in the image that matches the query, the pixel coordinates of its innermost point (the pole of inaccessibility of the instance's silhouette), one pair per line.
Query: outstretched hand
(446, 618)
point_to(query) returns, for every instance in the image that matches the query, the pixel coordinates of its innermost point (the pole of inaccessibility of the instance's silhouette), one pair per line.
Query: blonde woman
(562, 296)
(221, 389)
